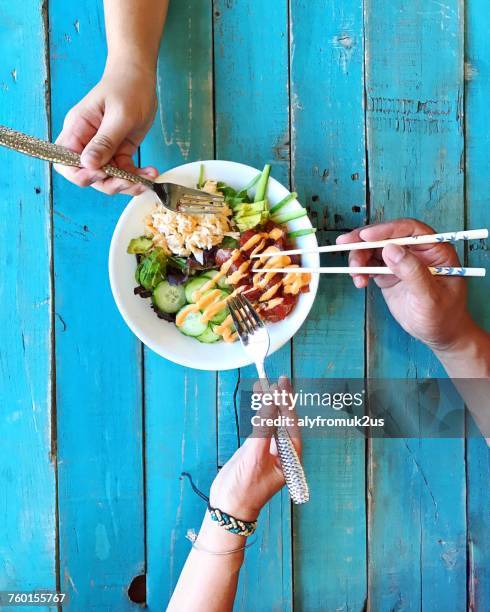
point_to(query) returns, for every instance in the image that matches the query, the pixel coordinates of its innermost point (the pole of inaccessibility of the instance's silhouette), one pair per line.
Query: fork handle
(293, 471)
(57, 154)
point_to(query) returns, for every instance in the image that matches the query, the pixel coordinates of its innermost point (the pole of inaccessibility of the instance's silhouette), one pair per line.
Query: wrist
(216, 539)
(233, 507)
(468, 354)
(138, 63)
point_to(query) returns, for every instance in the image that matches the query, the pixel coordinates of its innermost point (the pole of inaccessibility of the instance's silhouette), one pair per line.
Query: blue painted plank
(252, 127)
(414, 90)
(328, 172)
(180, 404)
(478, 206)
(27, 472)
(97, 358)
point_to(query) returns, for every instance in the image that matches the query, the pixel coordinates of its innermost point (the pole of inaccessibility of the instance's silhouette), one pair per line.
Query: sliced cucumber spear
(283, 202)
(262, 184)
(296, 214)
(243, 192)
(302, 232)
(200, 180)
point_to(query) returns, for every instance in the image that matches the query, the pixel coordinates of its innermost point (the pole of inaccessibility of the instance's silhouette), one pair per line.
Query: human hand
(254, 474)
(108, 125)
(430, 308)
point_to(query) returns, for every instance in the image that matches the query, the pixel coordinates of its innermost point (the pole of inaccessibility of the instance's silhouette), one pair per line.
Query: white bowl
(163, 337)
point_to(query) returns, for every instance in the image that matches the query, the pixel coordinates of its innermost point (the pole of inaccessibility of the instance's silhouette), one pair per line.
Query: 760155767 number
(31, 598)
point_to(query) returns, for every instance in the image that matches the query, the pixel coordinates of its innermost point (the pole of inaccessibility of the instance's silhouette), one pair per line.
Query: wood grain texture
(180, 404)
(477, 72)
(328, 172)
(252, 127)
(97, 358)
(414, 90)
(27, 468)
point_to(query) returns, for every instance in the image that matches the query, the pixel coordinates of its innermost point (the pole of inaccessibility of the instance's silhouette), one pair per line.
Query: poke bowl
(171, 274)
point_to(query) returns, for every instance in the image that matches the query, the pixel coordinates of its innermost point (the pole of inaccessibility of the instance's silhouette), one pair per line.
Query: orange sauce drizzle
(214, 302)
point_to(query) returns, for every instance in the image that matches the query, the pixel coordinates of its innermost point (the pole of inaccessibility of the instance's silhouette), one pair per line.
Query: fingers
(395, 229)
(408, 268)
(102, 147)
(357, 258)
(111, 185)
(73, 136)
(430, 254)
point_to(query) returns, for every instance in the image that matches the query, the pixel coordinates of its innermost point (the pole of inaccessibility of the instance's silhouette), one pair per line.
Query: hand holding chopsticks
(448, 237)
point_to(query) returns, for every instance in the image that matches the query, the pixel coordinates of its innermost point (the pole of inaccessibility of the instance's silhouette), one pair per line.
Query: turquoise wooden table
(370, 111)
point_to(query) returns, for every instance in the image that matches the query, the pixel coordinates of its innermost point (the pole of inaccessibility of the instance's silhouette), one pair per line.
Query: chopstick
(438, 271)
(406, 241)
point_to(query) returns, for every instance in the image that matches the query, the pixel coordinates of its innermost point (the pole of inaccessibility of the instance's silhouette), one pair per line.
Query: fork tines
(244, 316)
(201, 204)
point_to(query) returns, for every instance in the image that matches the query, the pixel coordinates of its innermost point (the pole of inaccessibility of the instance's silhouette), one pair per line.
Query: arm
(469, 355)
(133, 31)
(430, 308)
(110, 122)
(243, 486)
(209, 582)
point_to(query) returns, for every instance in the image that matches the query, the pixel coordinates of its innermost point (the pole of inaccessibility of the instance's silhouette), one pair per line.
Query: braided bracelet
(232, 524)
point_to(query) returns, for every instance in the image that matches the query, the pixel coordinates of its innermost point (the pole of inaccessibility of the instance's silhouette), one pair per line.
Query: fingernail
(364, 229)
(394, 253)
(358, 281)
(148, 171)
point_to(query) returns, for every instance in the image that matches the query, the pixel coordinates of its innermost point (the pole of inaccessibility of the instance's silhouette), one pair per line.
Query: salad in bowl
(181, 270)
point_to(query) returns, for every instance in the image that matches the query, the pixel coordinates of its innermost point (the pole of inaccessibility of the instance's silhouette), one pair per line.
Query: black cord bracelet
(223, 519)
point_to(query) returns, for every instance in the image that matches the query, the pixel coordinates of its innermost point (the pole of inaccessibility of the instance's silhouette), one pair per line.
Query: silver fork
(255, 340)
(174, 197)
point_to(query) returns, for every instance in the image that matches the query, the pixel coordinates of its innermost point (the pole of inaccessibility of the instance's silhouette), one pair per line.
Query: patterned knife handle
(59, 155)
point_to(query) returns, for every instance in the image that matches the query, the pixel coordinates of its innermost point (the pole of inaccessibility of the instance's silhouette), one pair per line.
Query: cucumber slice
(192, 325)
(169, 298)
(208, 336)
(220, 316)
(209, 274)
(223, 283)
(192, 286)
(214, 326)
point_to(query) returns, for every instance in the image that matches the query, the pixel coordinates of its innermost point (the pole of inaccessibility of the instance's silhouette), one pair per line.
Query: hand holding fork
(255, 340)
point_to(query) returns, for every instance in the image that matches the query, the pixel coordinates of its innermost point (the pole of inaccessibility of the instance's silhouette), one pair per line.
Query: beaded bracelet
(232, 524)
